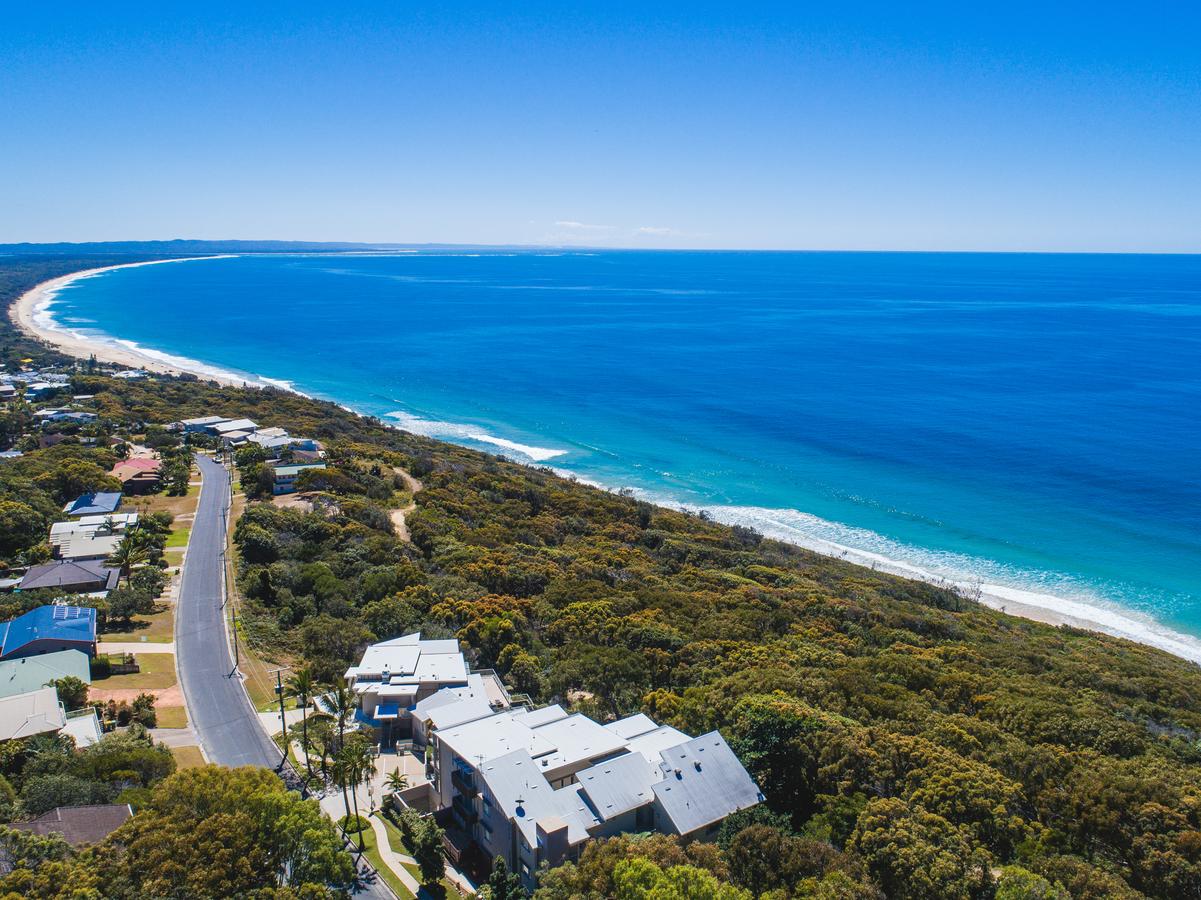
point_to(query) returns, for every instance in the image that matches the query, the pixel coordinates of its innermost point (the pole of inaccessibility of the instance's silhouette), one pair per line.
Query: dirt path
(398, 515)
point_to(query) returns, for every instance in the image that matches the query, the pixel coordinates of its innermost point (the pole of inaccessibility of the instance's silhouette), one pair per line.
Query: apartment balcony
(464, 783)
(464, 811)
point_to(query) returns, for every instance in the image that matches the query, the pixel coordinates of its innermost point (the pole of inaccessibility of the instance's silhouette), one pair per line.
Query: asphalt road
(219, 710)
(218, 707)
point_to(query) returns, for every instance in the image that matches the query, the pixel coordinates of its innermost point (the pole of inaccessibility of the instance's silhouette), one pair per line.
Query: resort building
(534, 786)
(394, 679)
(49, 629)
(91, 537)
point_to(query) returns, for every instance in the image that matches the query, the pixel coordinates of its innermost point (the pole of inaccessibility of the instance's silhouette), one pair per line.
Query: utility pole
(279, 692)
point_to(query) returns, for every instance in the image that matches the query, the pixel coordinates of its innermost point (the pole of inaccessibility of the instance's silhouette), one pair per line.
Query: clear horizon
(692, 127)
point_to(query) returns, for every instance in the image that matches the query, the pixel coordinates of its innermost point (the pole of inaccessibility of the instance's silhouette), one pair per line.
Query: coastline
(29, 314)
(33, 304)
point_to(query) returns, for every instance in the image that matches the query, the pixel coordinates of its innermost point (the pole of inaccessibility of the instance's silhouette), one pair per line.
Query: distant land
(190, 247)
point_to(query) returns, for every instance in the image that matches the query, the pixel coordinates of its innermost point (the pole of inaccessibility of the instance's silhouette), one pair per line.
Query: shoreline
(1045, 608)
(34, 304)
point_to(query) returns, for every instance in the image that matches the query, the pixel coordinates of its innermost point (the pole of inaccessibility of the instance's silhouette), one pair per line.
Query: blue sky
(871, 126)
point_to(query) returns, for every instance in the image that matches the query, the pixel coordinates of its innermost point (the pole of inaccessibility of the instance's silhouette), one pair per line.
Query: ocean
(1029, 425)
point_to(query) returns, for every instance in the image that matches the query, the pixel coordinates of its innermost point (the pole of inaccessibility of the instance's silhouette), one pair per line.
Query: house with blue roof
(49, 629)
(99, 504)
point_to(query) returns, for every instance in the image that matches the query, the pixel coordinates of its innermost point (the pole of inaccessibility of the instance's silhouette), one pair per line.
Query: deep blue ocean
(1030, 423)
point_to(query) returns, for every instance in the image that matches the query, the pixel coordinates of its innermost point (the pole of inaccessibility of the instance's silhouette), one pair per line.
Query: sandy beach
(27, 314)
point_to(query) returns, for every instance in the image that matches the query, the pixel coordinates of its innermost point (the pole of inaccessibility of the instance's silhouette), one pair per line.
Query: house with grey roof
(535, 785)
(30, 673)
(83, 576)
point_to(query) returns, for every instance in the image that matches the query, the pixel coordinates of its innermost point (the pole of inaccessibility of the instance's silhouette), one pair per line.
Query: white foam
(458, 431)
(994, 584)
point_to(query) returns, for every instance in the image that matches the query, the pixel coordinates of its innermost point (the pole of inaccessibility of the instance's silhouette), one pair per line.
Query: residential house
(34, 712)
(284, 481)
(90, 537)
(100, 503)
(49, 629)
(79, 825)
(198, 425)
(534, 786)
(231, 426)
(139, 475)
(30, 673)
(64, 416)
(131, 374)
(40, 389)
(276, 440)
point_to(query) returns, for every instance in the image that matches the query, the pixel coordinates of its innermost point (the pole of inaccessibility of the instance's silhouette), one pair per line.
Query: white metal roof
(526, 797)
(703, 783)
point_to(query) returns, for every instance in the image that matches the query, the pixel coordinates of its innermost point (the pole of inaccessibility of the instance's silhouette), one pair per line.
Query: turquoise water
(1029, 423)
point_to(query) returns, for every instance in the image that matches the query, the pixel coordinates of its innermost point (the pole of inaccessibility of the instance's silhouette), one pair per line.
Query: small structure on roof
(49, 629)
(79, 825)
(96, 504)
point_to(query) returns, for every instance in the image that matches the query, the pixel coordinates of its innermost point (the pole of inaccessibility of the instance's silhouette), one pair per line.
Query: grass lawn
(178, 538)
(158, 671)
(171, 716)
(398, 846)
(176, 506)
(187, 757)
(159, 626)
(377, 863)
(394, 837)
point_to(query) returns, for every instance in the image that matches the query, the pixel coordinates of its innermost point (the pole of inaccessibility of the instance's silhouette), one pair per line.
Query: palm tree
(397, 782)
(340, 704)
(322, 740)
(302, 684)
(341, 770)
(131, 551)
(361, 768)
